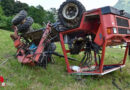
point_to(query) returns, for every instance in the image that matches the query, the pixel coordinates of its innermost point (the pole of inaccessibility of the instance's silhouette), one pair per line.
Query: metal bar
(95, 57)
(60, 55)
(125, 56)
(40, 48)
(65, 54)
(68, 51)
(113, 65)
(102, 58)
(104, 42)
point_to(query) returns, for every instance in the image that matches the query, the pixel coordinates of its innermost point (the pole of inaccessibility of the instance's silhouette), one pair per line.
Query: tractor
(89, 32)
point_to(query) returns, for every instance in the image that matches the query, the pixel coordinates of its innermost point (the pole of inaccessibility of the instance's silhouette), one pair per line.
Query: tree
(40, 15)
(8, 7)
(50, 17)
(40, 7)
(20, 6)
(37, 14)
(11, 7)
(1, 11)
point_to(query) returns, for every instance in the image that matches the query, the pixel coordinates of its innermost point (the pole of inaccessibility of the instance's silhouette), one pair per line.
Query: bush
(36, 26)
(5, 22)
(1, 11)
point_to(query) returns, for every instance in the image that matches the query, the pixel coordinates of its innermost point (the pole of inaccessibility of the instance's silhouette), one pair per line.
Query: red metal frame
(102, 42)
(98, 72)
(29, 59)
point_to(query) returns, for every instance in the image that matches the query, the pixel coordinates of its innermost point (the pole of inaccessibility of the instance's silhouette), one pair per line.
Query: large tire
(70, 13)
(19, 17)
(26, 25)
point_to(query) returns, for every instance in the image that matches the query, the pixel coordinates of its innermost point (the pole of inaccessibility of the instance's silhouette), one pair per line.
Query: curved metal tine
(82, 60)
(89, 59)
(99, 59)
(45, 64)
(46, 61)
(95, 57)
(91, 56)
(85, 62)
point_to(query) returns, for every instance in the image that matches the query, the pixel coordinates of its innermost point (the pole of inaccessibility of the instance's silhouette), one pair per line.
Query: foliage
(1, 11)
(50, 17)
(37, 14)
(36, 26)
(40, 15)
(5, 22)
(123, 5)
(8, 7)
(11, 8)
(18, 6)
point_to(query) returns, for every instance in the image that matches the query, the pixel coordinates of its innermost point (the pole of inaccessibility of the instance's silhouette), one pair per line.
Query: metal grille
(123, 31)
(122, 22)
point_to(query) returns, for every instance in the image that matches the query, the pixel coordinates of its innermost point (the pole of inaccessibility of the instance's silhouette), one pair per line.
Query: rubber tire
(19, 17)
(26, 25)
(79, 16)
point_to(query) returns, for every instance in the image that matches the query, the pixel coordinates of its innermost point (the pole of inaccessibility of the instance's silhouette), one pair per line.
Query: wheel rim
(70, 11)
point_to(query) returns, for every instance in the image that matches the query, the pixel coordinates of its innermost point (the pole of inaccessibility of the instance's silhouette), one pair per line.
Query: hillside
(123, 5)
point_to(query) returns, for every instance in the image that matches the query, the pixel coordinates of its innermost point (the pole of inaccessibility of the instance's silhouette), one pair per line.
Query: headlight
(128, 31)
(114, 30)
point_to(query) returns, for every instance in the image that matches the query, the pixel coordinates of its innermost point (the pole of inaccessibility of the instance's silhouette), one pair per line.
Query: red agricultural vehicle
(83, 31)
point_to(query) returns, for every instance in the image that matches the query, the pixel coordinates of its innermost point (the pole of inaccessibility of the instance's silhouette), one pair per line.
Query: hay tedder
(78, 30)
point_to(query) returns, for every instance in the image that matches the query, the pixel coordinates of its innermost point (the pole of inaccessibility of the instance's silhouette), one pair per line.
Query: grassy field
(18, 77)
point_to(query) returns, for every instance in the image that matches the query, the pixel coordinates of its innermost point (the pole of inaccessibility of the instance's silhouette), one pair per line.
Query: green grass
(18, 77)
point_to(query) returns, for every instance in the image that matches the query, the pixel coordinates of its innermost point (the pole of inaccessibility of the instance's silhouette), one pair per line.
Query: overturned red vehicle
(83, 31)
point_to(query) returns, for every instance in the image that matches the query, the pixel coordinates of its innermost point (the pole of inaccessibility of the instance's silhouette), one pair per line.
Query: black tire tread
(62, 19)
(26, 25)
(19, 17)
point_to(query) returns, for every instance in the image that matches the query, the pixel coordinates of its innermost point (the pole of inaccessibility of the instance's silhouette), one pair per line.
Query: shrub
(5, 22)
(36, 26)
(1, 11)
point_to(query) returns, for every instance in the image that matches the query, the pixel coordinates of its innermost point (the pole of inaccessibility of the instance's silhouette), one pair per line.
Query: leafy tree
(1, 11)
(36, 26)
(40, 15)
(37, 14)
(8, 7)
(54, 12)
(20, 6)
(50, 17)
(5, 22)
(11, 7)
(40, 7)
